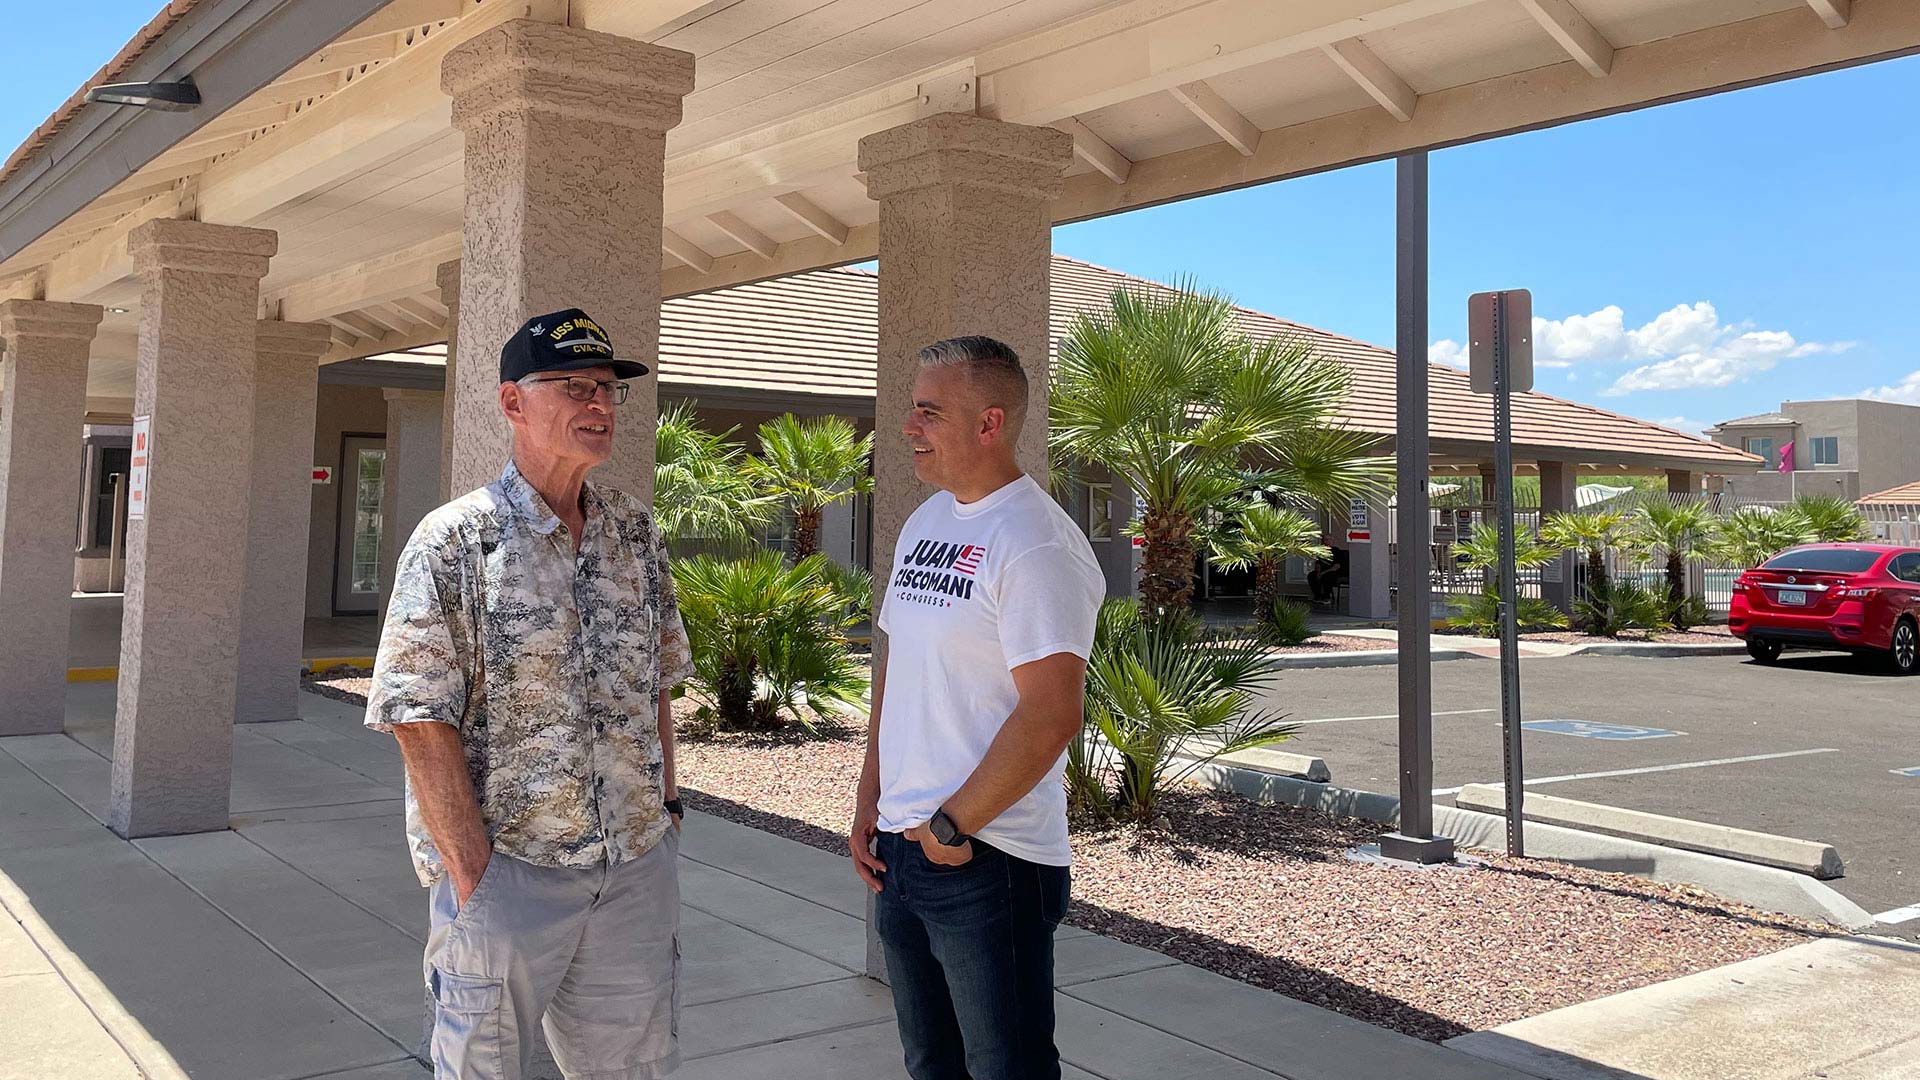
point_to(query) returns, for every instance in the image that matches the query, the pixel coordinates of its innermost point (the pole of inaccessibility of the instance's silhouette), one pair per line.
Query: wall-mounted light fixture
(177, 96)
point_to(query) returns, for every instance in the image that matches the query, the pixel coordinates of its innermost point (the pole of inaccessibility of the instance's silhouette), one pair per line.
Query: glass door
(356, 560)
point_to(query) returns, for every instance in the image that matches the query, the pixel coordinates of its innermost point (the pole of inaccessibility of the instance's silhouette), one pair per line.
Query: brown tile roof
(1905, 493)
(170, 14)
(815, 333)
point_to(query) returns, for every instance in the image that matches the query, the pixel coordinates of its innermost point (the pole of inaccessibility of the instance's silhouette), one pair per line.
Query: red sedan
(1860, 597)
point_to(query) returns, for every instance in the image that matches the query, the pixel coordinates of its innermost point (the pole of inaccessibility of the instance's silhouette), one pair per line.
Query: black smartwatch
(673, 807)
(945, 831)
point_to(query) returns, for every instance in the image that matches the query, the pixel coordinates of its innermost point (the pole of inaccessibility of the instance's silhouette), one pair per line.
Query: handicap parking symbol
(1914, 772)
(1587, 729)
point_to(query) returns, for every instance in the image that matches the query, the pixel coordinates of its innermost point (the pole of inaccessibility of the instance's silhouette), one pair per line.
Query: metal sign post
(1500, 329)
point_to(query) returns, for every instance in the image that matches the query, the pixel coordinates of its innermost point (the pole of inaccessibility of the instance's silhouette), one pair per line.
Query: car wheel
(1904, 654)
(1764, 651)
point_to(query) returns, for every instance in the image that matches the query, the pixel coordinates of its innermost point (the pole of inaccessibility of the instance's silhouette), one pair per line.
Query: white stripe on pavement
(1899, 915)
(1659, 768)
(1393, 716)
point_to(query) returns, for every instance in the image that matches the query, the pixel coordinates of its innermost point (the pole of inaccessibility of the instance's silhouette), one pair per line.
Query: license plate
(1793, 597)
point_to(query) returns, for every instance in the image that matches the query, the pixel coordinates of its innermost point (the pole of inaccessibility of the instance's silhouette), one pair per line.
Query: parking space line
(1659, 768)
(1899, 915)
(1393, 716)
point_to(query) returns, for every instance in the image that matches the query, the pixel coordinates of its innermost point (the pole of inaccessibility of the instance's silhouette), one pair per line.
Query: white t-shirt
(975, 591)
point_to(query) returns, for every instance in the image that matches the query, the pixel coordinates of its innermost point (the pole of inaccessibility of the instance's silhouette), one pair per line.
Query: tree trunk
(1676, 579)
(1166, 563)
(1266, 588)
(806, 531)
(736, 698)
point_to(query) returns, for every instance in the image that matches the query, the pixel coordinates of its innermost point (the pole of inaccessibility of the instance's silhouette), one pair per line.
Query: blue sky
(1693, 262)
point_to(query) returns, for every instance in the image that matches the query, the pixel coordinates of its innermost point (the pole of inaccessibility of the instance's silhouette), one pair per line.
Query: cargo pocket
(467, 1026)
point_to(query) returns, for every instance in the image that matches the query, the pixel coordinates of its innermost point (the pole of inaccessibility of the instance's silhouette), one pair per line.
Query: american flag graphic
(969, 561)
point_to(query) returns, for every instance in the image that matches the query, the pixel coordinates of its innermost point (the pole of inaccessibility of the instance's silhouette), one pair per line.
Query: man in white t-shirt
(960, 824)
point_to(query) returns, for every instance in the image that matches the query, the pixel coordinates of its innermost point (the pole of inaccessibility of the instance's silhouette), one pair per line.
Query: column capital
(525, 66)
(303, 342)
(963, 149)
(49, 319)
(447, 276)
(167, 244)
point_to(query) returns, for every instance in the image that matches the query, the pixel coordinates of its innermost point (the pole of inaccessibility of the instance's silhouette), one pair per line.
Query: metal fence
(1709, 579)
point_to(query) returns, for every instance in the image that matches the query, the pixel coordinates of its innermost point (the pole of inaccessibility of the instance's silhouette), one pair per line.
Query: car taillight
(1739, 586)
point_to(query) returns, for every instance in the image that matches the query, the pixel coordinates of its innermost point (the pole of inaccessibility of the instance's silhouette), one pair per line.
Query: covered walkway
(289, 946)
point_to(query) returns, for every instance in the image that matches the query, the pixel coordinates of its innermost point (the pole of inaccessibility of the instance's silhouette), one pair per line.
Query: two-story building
(1845, 448)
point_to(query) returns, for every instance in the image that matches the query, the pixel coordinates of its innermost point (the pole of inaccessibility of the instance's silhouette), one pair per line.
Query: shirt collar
(532, 506)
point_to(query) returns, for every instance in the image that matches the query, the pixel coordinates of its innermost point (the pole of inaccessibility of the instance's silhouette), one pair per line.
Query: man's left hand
(938, 852)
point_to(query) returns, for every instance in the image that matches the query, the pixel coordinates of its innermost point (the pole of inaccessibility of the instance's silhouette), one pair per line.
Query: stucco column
(966, 245)
(41, 411)
(1370, 563)
(1680, 482)
(186, 562)
(1557, 482)
(565, 161)
(412, 474)
(273, 607)
(448, 276)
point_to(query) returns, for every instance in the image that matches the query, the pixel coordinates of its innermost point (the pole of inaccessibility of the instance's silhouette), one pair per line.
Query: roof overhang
(324, 120)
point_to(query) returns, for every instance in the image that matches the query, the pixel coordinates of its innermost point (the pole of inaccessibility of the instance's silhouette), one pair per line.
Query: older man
(960, 823)
(524, 667)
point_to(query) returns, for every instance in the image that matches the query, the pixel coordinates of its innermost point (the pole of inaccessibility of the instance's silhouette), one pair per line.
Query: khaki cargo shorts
(593, 956)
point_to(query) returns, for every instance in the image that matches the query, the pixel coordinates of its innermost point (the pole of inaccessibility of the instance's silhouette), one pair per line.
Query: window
(1906, 568)
(1826, 451)
(1099, 512)
(113, 460)
(1823, 560)
(367, 499)
(1759, 444)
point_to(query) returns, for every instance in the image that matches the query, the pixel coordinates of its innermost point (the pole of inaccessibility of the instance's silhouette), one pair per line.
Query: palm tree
(768, 639)
(1163, 390)
(700, 488)
(1263, 537)
(811, 464)
(1676, 532)
(1753, 534)
(1830, 520)
(1594, 533)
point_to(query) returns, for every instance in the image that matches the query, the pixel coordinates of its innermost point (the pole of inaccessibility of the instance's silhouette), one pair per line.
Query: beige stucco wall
(1889, 445)
(359, 410)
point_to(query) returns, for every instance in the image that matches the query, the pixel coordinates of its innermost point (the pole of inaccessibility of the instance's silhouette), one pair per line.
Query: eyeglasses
(581, 388)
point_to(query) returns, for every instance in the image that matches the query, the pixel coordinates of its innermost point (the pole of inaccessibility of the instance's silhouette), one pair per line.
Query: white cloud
(1904, 392)
(1684, 347)
(1562, 342)
(1449, 352)
(1681, 423)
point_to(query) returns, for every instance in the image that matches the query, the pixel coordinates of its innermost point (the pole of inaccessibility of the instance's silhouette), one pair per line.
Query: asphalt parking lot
(1809, 748)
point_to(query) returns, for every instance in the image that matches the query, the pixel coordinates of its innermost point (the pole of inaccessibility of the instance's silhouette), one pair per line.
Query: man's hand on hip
(866, 825)
(938, 852)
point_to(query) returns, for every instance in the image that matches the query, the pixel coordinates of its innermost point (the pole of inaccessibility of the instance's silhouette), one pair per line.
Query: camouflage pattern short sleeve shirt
(549, 661)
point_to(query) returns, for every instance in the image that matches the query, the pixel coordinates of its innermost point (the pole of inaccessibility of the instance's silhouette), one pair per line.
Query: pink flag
(1786, 458)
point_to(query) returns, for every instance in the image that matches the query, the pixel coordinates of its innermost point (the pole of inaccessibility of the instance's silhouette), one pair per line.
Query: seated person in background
(1327, 575)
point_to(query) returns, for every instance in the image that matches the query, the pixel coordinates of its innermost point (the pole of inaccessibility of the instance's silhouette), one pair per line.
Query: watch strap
(674, 807)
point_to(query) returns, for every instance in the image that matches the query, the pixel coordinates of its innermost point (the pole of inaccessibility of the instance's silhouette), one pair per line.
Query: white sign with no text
(137, 467)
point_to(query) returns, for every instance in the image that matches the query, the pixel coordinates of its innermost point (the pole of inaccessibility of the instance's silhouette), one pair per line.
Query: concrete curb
(1276, 762)
(1361, 658)
(1656, 649)
(1808, 857)
(1765, 887)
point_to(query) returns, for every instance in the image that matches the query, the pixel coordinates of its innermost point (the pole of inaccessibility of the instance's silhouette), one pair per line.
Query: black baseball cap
(564, 341)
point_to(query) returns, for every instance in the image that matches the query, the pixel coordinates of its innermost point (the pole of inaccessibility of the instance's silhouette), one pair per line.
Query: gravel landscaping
(1268, 895)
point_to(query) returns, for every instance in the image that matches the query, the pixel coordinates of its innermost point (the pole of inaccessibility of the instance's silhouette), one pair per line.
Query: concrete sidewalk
(93, 636)
(289, 946)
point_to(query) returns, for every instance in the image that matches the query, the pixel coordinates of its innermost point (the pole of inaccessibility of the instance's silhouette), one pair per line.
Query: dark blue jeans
(970, 957)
